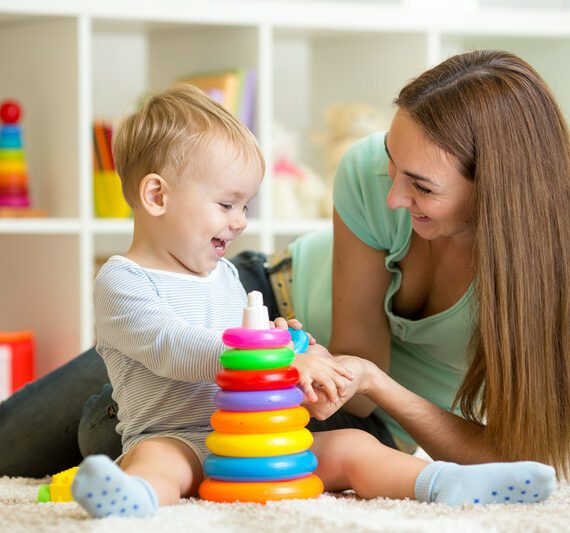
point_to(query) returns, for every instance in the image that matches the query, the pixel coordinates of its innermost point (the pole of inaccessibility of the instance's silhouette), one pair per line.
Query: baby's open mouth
(218, 244)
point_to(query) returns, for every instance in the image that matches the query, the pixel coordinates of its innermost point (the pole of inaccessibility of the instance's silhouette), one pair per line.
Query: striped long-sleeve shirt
(159, 334)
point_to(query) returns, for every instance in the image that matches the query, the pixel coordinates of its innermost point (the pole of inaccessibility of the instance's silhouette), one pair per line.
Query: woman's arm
(360, 282)
(359, 323)
(443, 435)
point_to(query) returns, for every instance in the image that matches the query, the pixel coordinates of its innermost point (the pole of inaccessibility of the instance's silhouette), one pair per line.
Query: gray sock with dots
(453, 484)
(103, 489)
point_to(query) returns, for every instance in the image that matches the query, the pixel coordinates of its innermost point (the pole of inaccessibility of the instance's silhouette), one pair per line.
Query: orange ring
(260, 492)
(13, 180)
(260, 421)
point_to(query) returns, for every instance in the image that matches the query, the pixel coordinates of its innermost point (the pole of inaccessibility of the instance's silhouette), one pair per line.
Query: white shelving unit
(70, 61)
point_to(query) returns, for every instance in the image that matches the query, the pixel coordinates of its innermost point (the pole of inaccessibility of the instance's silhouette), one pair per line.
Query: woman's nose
(399, 195)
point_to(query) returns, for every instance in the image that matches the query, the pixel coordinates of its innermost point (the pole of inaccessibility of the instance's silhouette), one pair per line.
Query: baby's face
(206, 209)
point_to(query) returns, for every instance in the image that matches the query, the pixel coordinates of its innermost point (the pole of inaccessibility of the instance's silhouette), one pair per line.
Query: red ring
(246, 380)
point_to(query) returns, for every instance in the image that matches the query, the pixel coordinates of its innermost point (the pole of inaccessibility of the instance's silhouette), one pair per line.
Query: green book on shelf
(235, 89)
(225, 87)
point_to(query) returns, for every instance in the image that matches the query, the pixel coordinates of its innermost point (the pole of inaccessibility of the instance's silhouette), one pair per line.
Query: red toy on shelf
(16, 361)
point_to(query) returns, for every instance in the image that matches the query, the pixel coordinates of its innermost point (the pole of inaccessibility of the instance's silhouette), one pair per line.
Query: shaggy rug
(19, 512)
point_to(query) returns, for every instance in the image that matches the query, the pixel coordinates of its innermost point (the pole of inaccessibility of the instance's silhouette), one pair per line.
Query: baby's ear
(152, 192)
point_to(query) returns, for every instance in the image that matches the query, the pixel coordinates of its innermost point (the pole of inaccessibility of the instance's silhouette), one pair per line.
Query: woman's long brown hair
(495, 114)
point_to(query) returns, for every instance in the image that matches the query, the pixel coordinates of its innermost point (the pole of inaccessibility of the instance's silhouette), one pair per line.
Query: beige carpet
(328, 514)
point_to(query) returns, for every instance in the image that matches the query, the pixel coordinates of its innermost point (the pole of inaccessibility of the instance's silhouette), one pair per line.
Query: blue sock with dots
(453, 484)
(103, 489)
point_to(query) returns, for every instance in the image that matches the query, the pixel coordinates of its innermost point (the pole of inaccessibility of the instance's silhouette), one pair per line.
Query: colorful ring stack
(13, 168)
(260, 446)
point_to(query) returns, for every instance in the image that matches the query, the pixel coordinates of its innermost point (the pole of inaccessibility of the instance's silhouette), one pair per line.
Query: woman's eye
(421, 189)
(226, 207)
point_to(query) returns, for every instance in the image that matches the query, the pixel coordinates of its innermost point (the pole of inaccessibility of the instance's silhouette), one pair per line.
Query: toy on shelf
(59, 490)
(13, 168)
(298, 191)
(346, 123)
(260, 446)
(17, 365)
(107, 190)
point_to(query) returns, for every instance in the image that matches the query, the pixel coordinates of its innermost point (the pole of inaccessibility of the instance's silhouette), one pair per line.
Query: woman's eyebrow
(417, 177)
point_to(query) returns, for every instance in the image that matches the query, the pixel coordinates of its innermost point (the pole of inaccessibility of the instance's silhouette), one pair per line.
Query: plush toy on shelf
(346, 124)
(298, 192)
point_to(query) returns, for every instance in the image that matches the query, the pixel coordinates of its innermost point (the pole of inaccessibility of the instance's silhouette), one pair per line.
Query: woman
(475, 275)
(450, 276)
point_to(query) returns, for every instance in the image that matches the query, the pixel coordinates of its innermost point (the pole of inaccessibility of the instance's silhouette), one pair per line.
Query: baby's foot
(103, 489)
(453, 484)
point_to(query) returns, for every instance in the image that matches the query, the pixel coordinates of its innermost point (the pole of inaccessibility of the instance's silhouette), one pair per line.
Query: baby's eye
(245, 208)
(421, 189)
(226, 207)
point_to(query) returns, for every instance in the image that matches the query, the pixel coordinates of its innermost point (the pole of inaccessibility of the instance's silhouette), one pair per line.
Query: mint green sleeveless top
(428, 356)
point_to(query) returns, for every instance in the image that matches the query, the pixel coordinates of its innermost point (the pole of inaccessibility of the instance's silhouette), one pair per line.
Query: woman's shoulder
(361, 186)
(370, 152)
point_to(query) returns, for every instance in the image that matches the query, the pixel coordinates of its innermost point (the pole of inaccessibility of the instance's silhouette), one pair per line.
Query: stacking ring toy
(300, 340)
(259, 492)
(256, 338)
(259, 400)
(261, 445)
(261, 421)
(277, 468)
(257, 359)
(247, 380)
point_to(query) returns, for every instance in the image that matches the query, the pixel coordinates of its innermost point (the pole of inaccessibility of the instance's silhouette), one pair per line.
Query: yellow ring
(260, 421)
(260, 492)
(259, 445)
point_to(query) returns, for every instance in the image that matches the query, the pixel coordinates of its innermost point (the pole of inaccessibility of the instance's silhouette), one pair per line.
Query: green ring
(257, 359)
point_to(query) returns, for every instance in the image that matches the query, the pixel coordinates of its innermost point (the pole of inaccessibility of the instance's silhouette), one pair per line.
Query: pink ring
(256, 338)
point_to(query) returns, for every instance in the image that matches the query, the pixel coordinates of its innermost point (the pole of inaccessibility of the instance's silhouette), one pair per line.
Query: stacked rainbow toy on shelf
(13, 168)
(260, 446)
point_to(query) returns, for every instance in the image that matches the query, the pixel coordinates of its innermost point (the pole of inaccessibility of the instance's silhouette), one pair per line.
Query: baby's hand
(363, 372)
(281, 323)
(317, 368)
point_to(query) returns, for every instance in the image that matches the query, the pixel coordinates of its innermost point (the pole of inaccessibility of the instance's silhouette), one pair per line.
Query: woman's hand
(322, 378)
(363, 371)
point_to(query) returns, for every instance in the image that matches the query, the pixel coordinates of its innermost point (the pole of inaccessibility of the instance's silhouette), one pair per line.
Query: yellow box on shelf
(108, 195)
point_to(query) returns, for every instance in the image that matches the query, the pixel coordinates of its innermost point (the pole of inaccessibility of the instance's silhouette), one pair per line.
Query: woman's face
(427, 182)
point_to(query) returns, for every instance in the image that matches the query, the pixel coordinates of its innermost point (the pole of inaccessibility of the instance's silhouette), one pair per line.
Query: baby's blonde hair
(170, 130)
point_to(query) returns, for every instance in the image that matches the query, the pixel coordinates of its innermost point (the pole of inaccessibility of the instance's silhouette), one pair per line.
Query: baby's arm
(134, 320)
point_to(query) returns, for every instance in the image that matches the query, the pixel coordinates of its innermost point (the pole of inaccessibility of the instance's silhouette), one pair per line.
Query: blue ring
(279, 468)
(259, 400)
(300, 340)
